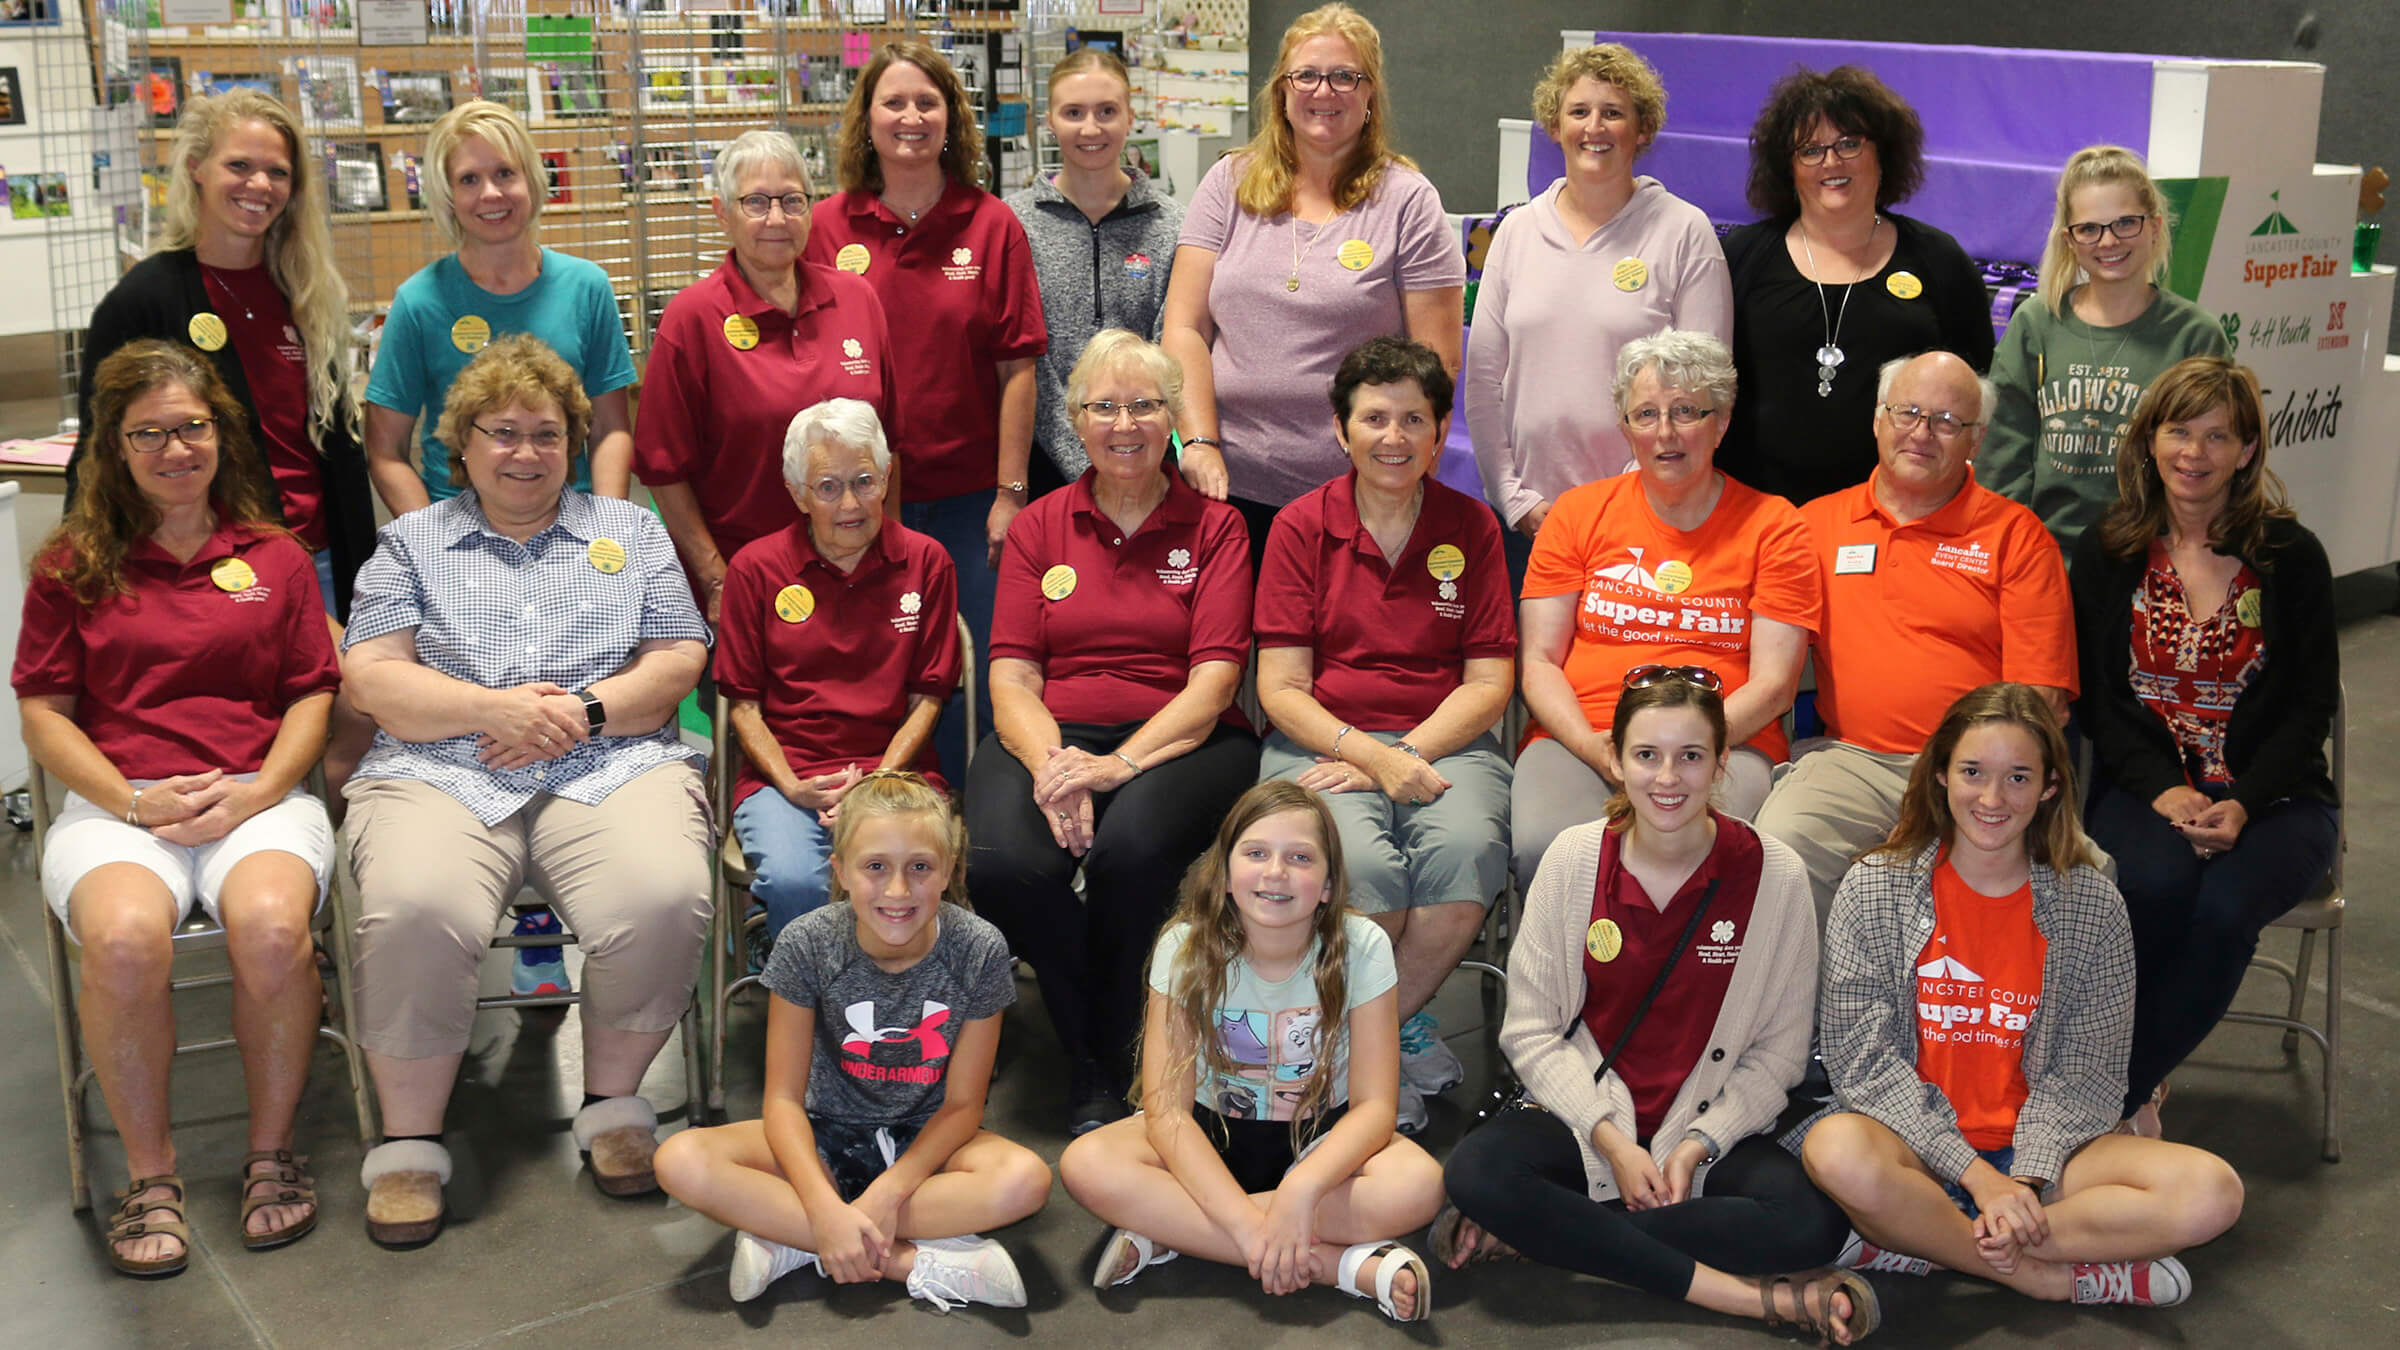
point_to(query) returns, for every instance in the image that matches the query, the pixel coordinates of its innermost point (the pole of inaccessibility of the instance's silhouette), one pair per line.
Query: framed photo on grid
(574, 89)
(514, 88)
(328, 92)
(561, 184)
(667, 88)
(357, 177)
(12, 98)
(417, 97)
(225, 82)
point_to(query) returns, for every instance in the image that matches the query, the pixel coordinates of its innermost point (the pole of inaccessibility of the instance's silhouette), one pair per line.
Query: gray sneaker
(1413, 1118)
(1427, 1063)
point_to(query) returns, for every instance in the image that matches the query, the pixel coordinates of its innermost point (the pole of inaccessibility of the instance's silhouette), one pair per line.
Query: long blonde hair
(1196, 986)
(299, 246)
(2101, 166)
(1271, 162)
(897, 792)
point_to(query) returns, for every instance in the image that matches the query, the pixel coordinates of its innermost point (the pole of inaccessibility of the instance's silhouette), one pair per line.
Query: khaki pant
(629, 878)
(1836, 801)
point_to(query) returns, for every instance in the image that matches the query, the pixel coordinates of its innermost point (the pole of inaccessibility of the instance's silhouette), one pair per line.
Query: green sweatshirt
(2067, 394)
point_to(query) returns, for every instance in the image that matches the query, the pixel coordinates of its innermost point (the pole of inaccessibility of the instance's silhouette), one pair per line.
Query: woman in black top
(2204, 614)
(1832, 283)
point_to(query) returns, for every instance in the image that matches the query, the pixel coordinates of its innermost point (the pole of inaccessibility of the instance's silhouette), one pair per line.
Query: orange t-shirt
(1918, 614)
(1979, 983)
(1648, 592)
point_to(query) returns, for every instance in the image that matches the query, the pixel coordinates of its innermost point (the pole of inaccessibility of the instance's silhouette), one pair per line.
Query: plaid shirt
(490, 611)
(2075, 1050)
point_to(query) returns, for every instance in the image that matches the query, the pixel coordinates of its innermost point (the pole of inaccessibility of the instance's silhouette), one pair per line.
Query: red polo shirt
(1389, 640)
(962, 281)
(1675, 1033)
(1918, 614)
(714, 414)
(194, 669)
(835, 685)
(1115, 621)
(258, 321)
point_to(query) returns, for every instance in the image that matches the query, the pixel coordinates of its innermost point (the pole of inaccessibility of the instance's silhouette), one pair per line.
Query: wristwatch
(594, 712)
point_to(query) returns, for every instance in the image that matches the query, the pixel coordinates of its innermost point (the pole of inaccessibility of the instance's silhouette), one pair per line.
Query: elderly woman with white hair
(741, 351)
(837, 646)
(1673, 570)
(483, 189)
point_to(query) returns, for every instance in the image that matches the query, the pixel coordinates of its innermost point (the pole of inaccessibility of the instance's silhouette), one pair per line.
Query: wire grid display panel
(89, 190)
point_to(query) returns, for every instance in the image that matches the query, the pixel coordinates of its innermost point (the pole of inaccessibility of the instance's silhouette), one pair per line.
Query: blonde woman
(484, 189)
(244, 263)
(2076, 361)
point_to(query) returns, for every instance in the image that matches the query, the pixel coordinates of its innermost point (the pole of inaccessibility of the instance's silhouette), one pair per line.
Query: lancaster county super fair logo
(2292, 322)
(2278, 251)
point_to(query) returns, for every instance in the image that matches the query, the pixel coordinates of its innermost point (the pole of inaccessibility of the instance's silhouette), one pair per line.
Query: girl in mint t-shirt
(1270, 1080)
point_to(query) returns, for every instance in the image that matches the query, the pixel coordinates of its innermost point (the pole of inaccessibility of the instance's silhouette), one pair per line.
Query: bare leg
(124, 918)
(1896, 1204)
(614, 1061)
(349, 735)
(267, 901)
(1427, 944)
(413, 1093)
(2128, 1199)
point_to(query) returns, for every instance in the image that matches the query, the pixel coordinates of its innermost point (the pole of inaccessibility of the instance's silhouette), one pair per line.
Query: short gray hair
(757, 149)
(1684, 359)
(1113, 350)
(1985, 390)
(836, 421)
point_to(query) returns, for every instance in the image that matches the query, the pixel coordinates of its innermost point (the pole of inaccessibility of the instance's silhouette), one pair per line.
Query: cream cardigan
(1757, 1051)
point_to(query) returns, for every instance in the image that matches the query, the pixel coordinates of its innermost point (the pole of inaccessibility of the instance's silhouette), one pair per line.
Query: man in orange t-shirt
(1934, 585)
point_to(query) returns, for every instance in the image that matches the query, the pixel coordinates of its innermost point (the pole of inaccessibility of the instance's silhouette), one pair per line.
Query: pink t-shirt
(1278, 348)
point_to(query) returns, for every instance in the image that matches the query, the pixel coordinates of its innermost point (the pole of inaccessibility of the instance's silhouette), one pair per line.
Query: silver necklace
(2092, 349)
(228, 292)
(1830, 356)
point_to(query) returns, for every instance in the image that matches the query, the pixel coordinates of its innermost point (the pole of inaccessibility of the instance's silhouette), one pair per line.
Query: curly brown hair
(1609, 63)
(962, 143)
(2195, 387)
(1857, 104)
(518, 368)
(110, 515)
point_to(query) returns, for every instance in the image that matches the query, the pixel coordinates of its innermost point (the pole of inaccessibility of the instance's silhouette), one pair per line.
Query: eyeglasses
(1682, 415)
(2123, 227)
(1946, 426)
(509, 437)
(866, 487)
(1642, 677)
(755, 205)
(1142, 409)
(200, 432)
(1307, 78)
(1846, 149)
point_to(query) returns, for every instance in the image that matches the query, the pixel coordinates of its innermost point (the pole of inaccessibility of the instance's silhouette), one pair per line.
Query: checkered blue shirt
(491, 611)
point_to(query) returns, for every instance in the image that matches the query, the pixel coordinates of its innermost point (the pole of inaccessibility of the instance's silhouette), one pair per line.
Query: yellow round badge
(741, 332)
(1355, 254)
(1446, 561)
(232, 574)
(794, 603)
(470, 334)
(208, 332)
(607, 555)
(1904, 285)
(852, 258)
(1059, 582)
(1631, 274)
(1673, 578)
(2251, 608)
(1603, 940)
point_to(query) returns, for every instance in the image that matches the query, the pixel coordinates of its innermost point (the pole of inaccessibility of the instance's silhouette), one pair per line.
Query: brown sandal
(291, 1185)
(1866, 1312)
(132, 1219)
(1443, 1238)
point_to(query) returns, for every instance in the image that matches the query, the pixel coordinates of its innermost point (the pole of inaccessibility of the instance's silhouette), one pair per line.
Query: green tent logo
(2276, 222)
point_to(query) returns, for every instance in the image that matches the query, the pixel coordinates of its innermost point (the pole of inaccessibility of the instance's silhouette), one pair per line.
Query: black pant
(1521, 1178)
(1259, 518)
(1092, 956)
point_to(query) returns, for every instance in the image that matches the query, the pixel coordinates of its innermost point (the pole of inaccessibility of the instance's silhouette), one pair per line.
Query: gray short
(1398, 856)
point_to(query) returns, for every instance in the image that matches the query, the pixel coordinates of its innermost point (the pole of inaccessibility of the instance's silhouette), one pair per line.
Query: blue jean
(957, 524)
(789, 854)
(324, 559)
(2003, 1158)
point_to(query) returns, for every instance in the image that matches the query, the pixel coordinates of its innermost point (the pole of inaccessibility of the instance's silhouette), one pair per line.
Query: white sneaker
(2148, 1284)
(953, 1271)
(1427, 1063)
(1860, 1254)
(1413, 1118)
(758, 1263)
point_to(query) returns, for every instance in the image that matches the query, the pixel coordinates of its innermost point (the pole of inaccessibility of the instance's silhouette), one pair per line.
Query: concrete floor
(535, 1256)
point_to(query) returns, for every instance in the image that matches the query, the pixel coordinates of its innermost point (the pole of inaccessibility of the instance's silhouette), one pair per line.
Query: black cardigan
(2275, 739)
(157, 299)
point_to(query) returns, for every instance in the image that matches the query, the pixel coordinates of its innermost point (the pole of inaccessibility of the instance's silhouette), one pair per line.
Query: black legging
(1092, 955)
(1521, 1177)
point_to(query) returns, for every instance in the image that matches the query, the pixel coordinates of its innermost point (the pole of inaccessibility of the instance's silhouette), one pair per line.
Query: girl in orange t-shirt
(1976, 1010)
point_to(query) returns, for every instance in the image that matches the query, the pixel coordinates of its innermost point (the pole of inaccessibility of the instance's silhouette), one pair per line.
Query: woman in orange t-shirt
(1974, 1017)
(1673, 564)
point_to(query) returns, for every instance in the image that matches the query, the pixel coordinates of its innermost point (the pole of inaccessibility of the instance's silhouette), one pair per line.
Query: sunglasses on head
(1642, 677)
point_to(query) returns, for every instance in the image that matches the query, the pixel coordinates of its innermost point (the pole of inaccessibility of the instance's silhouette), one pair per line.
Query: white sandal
(1112, 1255)
(1396, 1258)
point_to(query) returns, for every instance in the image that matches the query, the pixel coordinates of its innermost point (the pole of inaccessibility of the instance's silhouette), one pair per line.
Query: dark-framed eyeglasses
(2123, 227)
(200, 433)
(1946, 426)
(1681, 414)
(1846, 149)
(1307, 78)
(1642, 677)
(755, 204)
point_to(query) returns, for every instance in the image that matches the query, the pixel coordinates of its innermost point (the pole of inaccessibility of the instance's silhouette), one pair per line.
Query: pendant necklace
(210, 274)
(1299, 254)
(1830, 356)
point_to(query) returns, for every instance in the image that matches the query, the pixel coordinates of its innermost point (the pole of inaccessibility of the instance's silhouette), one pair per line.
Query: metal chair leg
(70, 1059)
(345, 1010)
(2308, 945)
(2333, 1042)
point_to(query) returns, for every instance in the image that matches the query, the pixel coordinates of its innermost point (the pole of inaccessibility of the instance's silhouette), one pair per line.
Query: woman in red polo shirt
(1122, 626)
(1658, 1013)
(951, 259)
(739, 353)
(175, 672)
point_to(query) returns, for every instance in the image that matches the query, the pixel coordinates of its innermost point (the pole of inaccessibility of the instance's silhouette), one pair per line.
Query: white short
(84, 837)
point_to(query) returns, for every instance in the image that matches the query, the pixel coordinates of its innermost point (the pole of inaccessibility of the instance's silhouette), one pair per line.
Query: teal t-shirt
(1269, 1030)
(569, 306)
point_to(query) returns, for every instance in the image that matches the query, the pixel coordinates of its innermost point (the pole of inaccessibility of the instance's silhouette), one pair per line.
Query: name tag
(1853, 558)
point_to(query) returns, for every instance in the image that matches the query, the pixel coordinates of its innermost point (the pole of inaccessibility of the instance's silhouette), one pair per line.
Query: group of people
(1092, 425)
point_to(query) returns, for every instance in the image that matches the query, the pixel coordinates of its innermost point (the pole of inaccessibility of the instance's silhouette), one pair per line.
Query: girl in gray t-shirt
(871, 1160)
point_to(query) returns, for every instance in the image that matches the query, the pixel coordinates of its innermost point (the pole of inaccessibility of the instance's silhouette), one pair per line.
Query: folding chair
(734, 922)
(197, 934)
